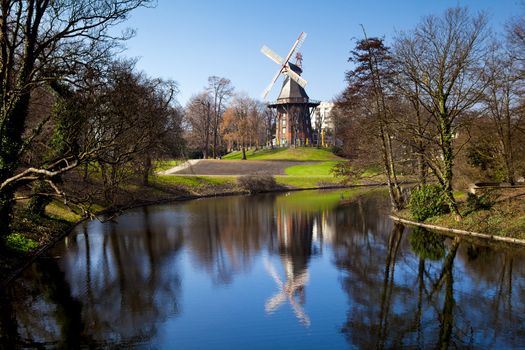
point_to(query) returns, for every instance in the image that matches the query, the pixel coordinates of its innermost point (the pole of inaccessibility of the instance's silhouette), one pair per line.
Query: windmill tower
(293, 106)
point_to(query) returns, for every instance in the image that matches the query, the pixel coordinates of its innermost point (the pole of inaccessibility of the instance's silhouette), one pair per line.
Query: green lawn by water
(297, 153)
(298, 176)
(318, 169)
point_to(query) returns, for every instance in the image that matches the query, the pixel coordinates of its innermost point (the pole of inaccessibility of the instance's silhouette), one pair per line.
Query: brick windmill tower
(293, 106)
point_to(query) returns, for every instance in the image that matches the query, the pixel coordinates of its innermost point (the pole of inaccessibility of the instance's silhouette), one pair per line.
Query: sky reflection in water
(312, 270)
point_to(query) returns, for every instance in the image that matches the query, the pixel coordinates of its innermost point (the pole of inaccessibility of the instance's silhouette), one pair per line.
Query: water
(304, 270)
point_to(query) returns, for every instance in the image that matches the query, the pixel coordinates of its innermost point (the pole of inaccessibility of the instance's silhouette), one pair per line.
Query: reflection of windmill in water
(289, 290)
(294, 233)
(293, 106)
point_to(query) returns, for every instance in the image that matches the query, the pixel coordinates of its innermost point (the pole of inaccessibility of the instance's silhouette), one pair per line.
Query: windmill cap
(295, 68)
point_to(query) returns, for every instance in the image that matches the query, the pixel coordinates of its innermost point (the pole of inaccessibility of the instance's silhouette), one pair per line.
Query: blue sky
(189, 40)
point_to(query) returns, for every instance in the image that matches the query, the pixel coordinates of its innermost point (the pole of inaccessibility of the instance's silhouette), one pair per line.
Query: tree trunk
(448, 162)
(421, 169)
(397, 188)
(243, 151)
(387, 168)
(509, 156)
(11, 141)
(6, 210)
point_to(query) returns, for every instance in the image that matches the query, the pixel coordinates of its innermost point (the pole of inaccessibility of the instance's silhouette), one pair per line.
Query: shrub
(427, 201)
(257, 183)
(484, 201)
(19, 243)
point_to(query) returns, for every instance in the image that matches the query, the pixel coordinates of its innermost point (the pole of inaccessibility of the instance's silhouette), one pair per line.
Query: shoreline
(27, 260)
(454, 231)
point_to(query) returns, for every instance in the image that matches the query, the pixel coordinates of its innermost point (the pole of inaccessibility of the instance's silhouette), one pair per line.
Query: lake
(298, 270)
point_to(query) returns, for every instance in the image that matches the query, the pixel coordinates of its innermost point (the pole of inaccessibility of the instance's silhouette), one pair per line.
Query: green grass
(298, 153)
(505, 218)
(20, 243)
(373, 170)
(163, 165)
(460, 195)
(193, 182)
(318, 169)
(59, 210)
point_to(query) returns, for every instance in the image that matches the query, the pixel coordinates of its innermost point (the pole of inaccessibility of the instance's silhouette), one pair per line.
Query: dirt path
(234, 167)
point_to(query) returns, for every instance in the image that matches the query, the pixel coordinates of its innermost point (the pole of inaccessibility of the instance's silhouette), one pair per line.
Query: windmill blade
(296, 77)
(299, 313)
(275, 302)
(297, 43)
(273, 273)
(284, 64)
(272, 55)
(265, 93)
(301, 41)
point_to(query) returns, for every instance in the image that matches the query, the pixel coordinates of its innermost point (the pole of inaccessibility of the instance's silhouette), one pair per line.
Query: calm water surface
(304, 270)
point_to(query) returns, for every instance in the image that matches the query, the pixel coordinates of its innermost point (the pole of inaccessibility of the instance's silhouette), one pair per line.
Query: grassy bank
(317, 169)
(505, 217)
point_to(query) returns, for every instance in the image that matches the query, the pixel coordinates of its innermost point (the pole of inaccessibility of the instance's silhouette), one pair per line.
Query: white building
(322, 122)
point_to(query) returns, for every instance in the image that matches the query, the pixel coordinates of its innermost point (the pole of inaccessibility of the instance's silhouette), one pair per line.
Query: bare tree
(268, 117)
(413, 126)
(199, 115)
(443, 58)
(220, 90)
(502, 99)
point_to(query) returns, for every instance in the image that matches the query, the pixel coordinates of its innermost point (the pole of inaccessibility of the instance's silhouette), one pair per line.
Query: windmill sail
(284, 64)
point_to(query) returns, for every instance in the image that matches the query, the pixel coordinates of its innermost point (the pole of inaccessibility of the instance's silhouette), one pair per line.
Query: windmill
(293, 106)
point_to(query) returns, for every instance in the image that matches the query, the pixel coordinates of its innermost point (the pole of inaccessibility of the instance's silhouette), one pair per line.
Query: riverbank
(33, 235)
(499, 218)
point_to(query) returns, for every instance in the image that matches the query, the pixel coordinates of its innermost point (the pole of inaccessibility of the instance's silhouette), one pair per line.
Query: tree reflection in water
(121, 284)
(106, 290)
(413, 300)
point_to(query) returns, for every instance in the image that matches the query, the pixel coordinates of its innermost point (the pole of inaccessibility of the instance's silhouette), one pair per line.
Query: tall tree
(502, 101)
(370, 81)
(42, 41)
(199, 115)
(443, 57)
(220, 90)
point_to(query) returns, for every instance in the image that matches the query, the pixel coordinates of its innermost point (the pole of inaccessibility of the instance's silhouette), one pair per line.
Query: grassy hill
(298, 153)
